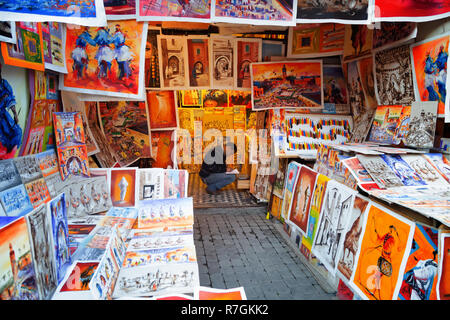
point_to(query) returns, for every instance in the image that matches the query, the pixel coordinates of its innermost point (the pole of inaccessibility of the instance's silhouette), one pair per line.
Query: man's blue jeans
(217, 181)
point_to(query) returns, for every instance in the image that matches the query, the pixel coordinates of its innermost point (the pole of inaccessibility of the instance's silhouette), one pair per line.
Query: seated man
(214, 168)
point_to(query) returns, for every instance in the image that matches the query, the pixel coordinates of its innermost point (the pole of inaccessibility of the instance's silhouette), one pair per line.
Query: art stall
(338, 113)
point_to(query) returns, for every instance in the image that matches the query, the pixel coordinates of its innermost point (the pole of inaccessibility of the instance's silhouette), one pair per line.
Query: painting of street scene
(287, 85)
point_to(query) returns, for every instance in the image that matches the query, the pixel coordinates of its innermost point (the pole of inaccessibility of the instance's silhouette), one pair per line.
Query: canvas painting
(391, 34)
(276, 12)
(175, 183)
(9, 176)
(352, 236)
(120, 10)
(382, 255)
(439, 162)
(410, 11)
(162, 110)
(402, 170)
(8, 32)
(335, 93)
(125, 125)
(366, 73)
(28, 168)
(443, 283)
(247, 51)
(358, 171)
(17, 270)
(152, 77)
(358, 42)
(429, 62)
(393, 76)
(421, 273)
(334, 218)
(69, 130)
(163, 143)
(28, 52)
(38, 192)
(150, 183)
(424, 169)
(81, 12)
(104, 277)
(422, 125)
(287, 84)
(205, 293)
(58, 212)
(327, 11)
(386, 125)
(172, 51)
(193, 11)
(380, 172)
(40, 233)
(198, 62)
(272, 48)
(15, 201)
(301, 202)
(106, 61)
(54, 37)
(122, 187)
(289, 184)
(163, 212)
(79, 277)
(222, 62)
(314, 40)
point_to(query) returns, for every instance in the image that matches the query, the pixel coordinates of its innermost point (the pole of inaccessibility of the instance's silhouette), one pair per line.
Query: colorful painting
(172, 51)
(17, 270)
(386, 125)
(367, 76)
(120, 10)
(163, 143)
(164, 212)
(429, 62)
(444, 266)
(28, 52)
(222, 62)
(108, 61)
(152, 78)
(421, 272)
(54, 37)
(247, 51)
(331, 11)
(79, 277)
(335, 93)
(198, 62)
(358, 42)
(289, 184)
(314, 40)
(15, 201)
(162, 110)
(125, 125)
(40, 233)
(411, 11)
(175, 183)
(287, 84)
(122, 187)
(82, 12)
(424, 169)
(254, 12)
(301, 202)
(73, 162)
(38, 192)
(171, 10)
(204, 293)
(58, 212)
(382, 256)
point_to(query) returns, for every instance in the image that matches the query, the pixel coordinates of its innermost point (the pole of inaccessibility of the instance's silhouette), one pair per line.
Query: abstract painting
(418, 11)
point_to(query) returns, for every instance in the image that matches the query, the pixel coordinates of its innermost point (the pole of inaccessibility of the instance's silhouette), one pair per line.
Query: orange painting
(220, 294)
(383, 253)
(162, 109)
(106, 60)
(122, 186)
(162, 146)
(429, 60)
(444, 271)
(80, 277)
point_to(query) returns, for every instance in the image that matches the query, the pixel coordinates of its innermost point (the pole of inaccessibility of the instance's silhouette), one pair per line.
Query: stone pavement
(240, 247)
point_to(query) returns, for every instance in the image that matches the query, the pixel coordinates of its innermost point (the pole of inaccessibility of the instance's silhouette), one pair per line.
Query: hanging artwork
(193, 11)
(247, 51)
(352, 236)
(272, 48)
(58, 212)
(120, 10)
(358, 42)
(281, 13)
(162, 111)
(393, 76)
(420, 278)
(215, 98)
(391, 34)
(54, 42)
(198, 62)
(289, 184)
(39, 133)
(429, 66)
(122, 187)
(443, 280)
(301, 202)
(422, 125)
(335, 93)
(29, 50)
(107, 61)
(366, 73)
(152, 77)
(382, 255)
(91, 13)
(8, 32)
(172, 52)
(163, 143)
(222, 62)
(325, 11)
(286, 84)
(19, 282)
(334, 218)
(314, 40)
(40, 233)
(410, 11)
(125, 125)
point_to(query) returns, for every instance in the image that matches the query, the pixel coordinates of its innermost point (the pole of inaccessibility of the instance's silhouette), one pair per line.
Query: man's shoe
(211, 192)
